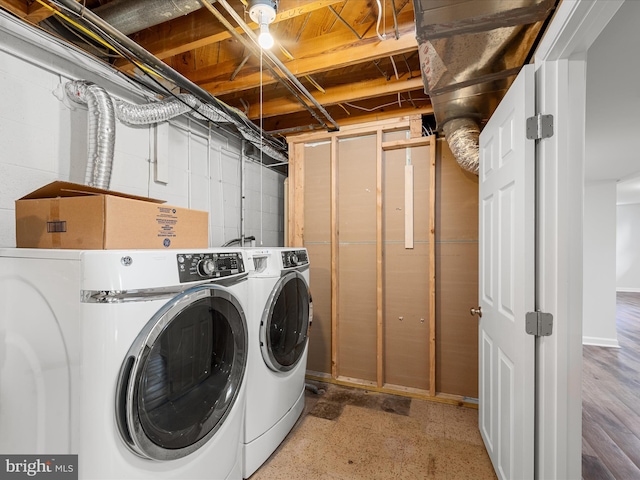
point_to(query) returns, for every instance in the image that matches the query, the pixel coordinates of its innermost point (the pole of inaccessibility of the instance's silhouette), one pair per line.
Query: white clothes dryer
(280, 314)
(134, 360)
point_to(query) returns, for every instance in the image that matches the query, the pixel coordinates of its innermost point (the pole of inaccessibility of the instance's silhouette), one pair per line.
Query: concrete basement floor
(350, 434)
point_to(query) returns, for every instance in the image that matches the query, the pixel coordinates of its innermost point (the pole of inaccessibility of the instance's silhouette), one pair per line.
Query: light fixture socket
(263, 11)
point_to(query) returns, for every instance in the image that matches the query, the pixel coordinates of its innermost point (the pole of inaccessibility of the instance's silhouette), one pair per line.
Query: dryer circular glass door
(182, 375)
(285, 323)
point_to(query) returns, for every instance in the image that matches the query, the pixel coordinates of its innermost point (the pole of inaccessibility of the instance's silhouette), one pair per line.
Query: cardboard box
(68, 215)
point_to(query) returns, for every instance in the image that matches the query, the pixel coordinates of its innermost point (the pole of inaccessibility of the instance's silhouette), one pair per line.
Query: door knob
(476, 311)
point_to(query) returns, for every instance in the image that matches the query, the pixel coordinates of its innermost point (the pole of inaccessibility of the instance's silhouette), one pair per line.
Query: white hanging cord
(384, 35)
(261, 164)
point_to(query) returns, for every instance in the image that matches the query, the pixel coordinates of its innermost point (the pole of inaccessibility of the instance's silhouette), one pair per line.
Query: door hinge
(539, 127)
(539, 324)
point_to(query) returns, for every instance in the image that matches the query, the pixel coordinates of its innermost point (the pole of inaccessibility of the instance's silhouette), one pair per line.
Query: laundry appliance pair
(279, 317)
(136, 361)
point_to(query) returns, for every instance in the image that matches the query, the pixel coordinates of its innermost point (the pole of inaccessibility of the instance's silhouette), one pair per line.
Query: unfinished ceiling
(340, 61)
(331, 46)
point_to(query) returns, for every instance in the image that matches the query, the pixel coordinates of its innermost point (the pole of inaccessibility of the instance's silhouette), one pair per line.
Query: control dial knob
(293, 259)
(206, 267)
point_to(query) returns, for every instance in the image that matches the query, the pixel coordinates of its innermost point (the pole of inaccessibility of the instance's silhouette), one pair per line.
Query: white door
(507, 282)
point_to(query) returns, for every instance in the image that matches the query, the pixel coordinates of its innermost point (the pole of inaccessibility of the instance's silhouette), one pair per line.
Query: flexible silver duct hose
(163, 111)
(174, 107)
(463, 136)
(101, 130)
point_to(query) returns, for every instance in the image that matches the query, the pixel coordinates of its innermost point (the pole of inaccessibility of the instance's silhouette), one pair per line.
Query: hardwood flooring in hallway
(611, 400)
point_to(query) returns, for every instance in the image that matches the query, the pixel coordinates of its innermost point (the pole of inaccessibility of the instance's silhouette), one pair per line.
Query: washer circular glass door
(182, 375)
(285, 323)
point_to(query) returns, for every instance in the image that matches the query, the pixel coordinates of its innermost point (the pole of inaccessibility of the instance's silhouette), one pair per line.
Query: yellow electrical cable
(94, 36)
(286, 52)
(315, 84)
(348, 112)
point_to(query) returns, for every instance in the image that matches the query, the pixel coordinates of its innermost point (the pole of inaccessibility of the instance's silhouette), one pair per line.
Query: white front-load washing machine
(133, 360)
(280, 313)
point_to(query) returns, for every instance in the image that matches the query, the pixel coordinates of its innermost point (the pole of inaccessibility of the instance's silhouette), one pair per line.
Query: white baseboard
(601, 342)
(628, 290)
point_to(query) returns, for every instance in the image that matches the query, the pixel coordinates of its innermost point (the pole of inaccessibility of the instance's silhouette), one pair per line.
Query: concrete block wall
(43, 137)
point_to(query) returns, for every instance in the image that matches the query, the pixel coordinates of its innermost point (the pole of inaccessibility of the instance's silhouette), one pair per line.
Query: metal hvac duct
(470, 53)
(129, 16)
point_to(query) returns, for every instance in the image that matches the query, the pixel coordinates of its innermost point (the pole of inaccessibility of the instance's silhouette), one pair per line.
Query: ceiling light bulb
(265, 39)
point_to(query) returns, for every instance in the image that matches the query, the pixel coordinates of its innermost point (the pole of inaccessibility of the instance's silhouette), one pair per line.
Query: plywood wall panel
(357, 189)
(456, 199)
(406, 314)
(319, 358)
(317, 194)
(356, 355)
(456, 329)
(456, 276)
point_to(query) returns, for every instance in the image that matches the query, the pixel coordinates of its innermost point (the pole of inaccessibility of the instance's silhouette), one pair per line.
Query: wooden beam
(341, 94)
(353, 130)
(406, 143)
(384, 115)
(379, 265)
(432, 265)
(295, 218)
(38, 13)
(335, 238)
(364, 51)
(416, 127)
(201, 29)
(17, 7)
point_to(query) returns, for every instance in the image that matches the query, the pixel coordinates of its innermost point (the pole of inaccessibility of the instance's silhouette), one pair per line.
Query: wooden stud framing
(415, 126)
(335, 238)
(295, 220)
(379, 266)
(296, 229)
(432, 266)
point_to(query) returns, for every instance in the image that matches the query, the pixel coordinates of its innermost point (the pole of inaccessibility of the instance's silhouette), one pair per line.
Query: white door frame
(560, 91)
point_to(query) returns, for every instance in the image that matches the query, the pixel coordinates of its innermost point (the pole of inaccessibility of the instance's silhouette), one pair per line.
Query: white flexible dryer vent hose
(463, 136)
(101, 131)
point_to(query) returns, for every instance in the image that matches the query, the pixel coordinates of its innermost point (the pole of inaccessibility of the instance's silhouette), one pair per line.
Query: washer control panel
(294, 258)
(198, 266)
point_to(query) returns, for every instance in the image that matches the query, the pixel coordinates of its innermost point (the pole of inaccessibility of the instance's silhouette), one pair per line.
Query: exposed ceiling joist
(200, 30)
(332, 57)
(342, 94)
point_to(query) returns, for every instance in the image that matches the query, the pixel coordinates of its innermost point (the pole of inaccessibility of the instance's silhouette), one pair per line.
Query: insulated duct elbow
(463, 135)
(101, 130)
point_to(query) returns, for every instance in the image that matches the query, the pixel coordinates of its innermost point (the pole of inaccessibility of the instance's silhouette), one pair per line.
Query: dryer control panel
(198, 266)
(294, 258)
